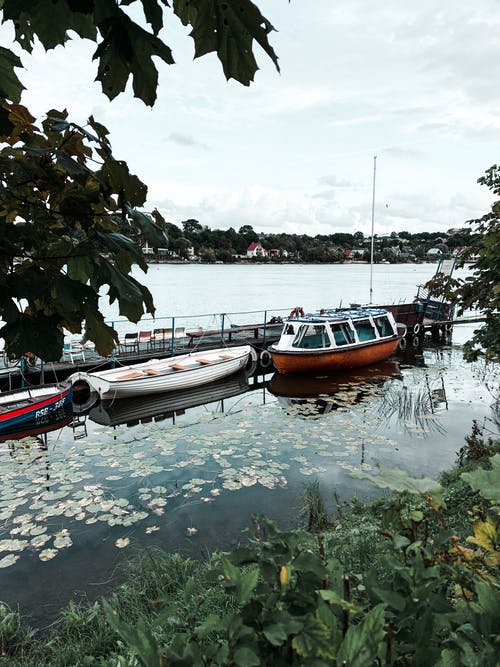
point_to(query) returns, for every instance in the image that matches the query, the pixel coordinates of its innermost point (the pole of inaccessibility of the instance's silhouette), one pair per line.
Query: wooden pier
(81, 358)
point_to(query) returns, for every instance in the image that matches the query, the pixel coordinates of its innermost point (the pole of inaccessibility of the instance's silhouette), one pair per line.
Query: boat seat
(130, 376)
(178, 367)
(226, 356)
(205, 361)
(152, 371)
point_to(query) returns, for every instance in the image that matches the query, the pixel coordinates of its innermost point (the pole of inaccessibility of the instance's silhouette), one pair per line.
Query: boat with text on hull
(30, 407)
(336, 339)
(158, 375)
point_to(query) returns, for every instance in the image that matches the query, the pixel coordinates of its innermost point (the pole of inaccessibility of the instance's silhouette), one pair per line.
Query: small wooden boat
(29, 407)
(159, 375)
(333, 340)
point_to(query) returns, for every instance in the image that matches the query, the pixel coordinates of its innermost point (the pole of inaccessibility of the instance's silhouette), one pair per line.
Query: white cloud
(413, 84)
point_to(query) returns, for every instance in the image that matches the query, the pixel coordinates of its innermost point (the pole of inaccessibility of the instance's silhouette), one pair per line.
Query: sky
(414, 84)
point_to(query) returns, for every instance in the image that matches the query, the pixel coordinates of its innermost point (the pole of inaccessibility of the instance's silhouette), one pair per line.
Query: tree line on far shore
(196, 242)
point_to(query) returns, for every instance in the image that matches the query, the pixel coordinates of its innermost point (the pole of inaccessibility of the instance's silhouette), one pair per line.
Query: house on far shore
(434, 253)
(256, 249)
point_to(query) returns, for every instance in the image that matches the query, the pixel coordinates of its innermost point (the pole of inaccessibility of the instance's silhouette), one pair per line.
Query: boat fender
(297, 312)
(252, 357)
(402, 343)
(416, 328)
(265, 359)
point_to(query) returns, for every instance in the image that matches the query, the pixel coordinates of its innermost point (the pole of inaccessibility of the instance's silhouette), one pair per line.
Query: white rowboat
(160, 375)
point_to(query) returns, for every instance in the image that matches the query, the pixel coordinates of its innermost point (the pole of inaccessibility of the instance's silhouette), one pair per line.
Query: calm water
(188, 471)
(196, 290)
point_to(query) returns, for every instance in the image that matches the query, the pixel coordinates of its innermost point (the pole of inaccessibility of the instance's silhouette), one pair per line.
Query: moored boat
(159, 375)
(29, 407)
(335, 340)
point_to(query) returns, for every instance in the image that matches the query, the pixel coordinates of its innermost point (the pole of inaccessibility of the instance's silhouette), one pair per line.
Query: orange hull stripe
(334, 360)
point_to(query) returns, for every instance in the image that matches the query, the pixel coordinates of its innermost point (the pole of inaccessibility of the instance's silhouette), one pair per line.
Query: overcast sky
(414, 83)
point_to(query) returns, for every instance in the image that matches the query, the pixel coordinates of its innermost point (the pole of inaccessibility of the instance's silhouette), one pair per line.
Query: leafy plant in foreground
(434, 602)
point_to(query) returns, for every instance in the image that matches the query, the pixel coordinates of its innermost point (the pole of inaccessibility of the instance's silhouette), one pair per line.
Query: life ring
(416, 341)
(448, 327)
(265, 359)
(402, 344)
(297, 312)
(416, 328)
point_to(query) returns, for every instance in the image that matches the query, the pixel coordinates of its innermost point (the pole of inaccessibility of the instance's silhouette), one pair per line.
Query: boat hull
(311, 361)
(31, 407)
(159, 376)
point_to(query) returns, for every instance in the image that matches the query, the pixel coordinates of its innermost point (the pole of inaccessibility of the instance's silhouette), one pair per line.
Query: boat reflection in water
(312, 395)
(156, 407)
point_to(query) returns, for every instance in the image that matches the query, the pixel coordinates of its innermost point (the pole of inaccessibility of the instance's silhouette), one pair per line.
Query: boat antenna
(373, 221)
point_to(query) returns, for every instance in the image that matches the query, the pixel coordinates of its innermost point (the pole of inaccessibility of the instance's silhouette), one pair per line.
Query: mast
(373, 224)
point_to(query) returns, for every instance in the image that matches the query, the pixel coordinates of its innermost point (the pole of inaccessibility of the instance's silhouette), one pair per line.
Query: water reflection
(158, 407)
(313, 395)
(416, 406)
(413, 404)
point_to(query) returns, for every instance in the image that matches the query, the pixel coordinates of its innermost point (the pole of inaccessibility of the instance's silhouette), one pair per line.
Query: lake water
(187, 472)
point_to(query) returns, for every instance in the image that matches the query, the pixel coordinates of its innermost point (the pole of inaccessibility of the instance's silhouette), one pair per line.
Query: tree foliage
(69, 225)
(125, 48)
(480, 290)
(66, 229)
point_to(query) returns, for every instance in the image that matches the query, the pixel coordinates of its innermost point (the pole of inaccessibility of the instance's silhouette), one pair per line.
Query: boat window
(289, 331)
(384, 326)
(342, 334)
(310, 336)
(364, 330)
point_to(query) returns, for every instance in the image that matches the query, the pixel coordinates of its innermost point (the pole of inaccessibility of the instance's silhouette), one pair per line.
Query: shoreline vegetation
(196, 243)
(408, 579)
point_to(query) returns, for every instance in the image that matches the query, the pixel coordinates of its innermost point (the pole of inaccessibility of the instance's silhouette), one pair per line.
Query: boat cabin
(337, 328)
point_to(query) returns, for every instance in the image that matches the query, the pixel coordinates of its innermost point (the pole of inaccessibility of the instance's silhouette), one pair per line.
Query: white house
(256, 249)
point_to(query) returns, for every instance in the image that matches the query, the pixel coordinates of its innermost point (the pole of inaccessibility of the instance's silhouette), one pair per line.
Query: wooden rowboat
(29, 407)
(160, 375)
(335, 340)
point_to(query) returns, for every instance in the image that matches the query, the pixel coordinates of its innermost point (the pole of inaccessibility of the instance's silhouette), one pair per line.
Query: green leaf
(212, 623)
(310, 562)
(364, 641)
(487, 482)
(149, 229)
(10, 86)
(332, 597)
(231, 573)
(245, 657)
(127, 49)
(229, 29)
(314, 640)
(246, 585)
(275, 634)
(399, 480)
(154, 14)
(137, 637)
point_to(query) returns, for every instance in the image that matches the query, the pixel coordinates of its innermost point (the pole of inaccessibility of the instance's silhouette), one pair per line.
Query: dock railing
(183, 333)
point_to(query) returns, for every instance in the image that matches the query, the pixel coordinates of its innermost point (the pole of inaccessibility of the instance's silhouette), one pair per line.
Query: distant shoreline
(250, 263)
